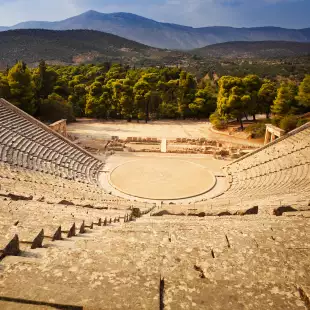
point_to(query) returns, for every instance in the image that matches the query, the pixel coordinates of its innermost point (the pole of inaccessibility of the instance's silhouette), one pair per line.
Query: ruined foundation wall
(60, 127)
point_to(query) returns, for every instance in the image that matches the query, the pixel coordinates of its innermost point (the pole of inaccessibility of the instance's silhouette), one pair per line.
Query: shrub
(276, 121)
(136, 212)
(217, 121)
(302, 121)
(55, 108)
(141, 116)
(288, 122)
(256, 130)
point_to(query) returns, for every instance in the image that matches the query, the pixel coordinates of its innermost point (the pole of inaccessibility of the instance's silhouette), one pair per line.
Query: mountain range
(90, 46)
(79, 46)
(258, 50)
(165, 35)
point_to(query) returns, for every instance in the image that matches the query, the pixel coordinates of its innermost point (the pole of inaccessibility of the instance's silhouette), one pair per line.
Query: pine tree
(304, 92)
(285, 102)
(22, 87)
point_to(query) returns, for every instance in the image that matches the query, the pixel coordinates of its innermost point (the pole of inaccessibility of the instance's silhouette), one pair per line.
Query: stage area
(162, 178)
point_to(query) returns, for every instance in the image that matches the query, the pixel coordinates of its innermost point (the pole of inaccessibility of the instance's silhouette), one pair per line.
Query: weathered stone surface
(60, 127)
(227, 255)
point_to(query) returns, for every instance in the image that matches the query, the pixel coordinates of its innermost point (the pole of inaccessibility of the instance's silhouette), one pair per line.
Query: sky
(196, 13)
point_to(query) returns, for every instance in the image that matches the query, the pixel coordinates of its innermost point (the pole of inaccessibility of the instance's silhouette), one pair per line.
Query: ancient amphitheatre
(109, 216)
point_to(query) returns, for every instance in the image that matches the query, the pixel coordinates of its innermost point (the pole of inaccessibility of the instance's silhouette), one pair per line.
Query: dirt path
(168, 129)
(209, 134)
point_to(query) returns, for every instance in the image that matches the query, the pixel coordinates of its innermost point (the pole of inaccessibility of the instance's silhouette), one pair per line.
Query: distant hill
(88, 46)
(266, 49)
(78, 46)
(165, 35)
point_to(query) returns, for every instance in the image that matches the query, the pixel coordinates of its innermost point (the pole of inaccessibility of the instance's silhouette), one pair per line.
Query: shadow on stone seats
(29, 254)
(40, 303)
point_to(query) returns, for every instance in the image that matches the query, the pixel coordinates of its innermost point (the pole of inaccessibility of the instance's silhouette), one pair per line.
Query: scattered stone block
(82, 228)
(38, 240)
(279, 211)
(66, 203)
(19, 197)
(57, 234)
(12, 248)
(72, 231)
(225, 213)
(136, 212)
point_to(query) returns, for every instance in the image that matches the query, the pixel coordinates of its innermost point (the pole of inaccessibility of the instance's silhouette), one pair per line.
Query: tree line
(107, 91)
(239, 98)
(120, 92)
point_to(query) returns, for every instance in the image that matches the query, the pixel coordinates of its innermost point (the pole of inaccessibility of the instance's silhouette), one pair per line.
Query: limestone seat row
(283, 168)
(31, 224)
(27, 143)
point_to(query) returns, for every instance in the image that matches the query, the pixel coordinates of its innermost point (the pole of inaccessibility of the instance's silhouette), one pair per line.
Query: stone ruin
(60, 127)
(272, 133)
(215, 148)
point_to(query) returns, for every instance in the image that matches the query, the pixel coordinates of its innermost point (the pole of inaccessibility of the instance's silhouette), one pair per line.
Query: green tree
(169, 96)
(204, 103)
(232, 100)
(142, 91)
(116, 72)
(44, 80)
(61, 87)
(22, 87)
(186, 93)
(252, 84)
(285, 102)
(218, 121)
(5, 91)
(55, 108)
(289, 122)
(97, 101)
(77, 99)
(266, 97)
(304, 92)
(147, 97)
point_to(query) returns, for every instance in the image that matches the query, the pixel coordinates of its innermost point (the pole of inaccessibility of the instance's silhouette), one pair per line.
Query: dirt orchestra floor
(156, 177)
(162, 178)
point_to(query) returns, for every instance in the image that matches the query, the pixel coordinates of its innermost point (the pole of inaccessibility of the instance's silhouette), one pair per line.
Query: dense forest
(120, 92)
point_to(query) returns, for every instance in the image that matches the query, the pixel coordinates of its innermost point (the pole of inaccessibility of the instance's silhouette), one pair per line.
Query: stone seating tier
(250, 262)
(280, 168)
(27, 143)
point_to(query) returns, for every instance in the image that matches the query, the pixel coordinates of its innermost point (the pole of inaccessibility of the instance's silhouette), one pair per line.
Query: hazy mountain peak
(91, 14)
